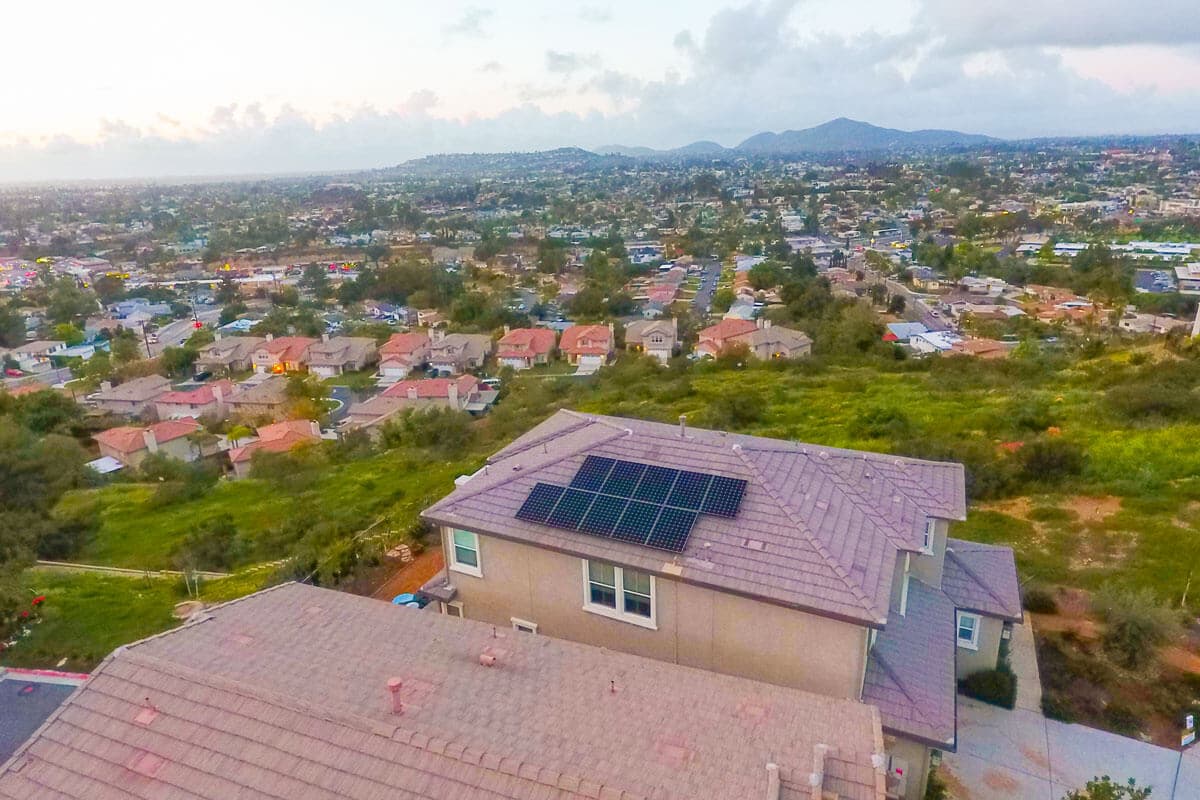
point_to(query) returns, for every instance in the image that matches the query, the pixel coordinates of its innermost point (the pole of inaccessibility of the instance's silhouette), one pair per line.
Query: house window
(453, 609)
(968, 630)
(619, 593)
(523, 625)
(464, 553)
(927, 540)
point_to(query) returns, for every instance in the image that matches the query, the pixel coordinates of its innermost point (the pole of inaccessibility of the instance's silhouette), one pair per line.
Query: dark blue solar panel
(623, 478)
(689, 490)
(540, 502)
(724, 497)
(592, 474)
(672, 529)
(655, 484)
(570, 509)
(603, 515)
(636, 523)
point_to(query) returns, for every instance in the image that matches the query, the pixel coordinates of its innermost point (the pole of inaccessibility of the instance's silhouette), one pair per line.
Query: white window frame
(619, 612)
(454, 608)
(523, 625)
(930, 536)
(475, 569)
(973, 642)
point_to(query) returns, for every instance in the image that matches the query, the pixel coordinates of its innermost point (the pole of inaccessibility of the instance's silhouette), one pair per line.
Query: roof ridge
(975, 577)
(578, 425)
(454, 749)
(837, 566)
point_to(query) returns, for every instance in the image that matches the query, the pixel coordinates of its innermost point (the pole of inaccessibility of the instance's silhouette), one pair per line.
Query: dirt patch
(954, 787)
(412, 576)
(1018, 507)
(1181, 659)
(1091, 510)
(1084, 628)
(1100, 549)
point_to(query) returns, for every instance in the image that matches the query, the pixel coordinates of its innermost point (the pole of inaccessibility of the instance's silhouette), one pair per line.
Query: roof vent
(394, 685)
(682, 425)
(146, 714)
(772, 781)
(754, 544)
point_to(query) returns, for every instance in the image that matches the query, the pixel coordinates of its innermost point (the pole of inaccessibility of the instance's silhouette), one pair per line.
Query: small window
(453, 609)
(464, 553)
(523, 625)
(927, 541)
(968, 630)
(619, 593)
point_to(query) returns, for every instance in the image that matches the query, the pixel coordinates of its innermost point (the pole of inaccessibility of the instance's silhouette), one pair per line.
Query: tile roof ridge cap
(885, 457)
(205, 615)
(579, 424)
(869, 509)
(837, 566)
(975, 577)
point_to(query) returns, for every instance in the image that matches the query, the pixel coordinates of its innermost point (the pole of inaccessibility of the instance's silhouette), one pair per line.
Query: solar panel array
(633, 502)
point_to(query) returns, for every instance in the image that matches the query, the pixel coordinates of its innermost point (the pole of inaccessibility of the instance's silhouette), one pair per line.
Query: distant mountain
(703, 149)
(848, 135)
(563, 159)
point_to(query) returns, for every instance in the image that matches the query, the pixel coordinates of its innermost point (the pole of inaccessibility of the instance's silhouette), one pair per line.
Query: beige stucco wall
(696, 627)
(988, 653)
(917, 756)
(928, 568)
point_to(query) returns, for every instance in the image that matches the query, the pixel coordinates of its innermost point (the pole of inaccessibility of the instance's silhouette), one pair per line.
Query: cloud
(491, 66)
(565, 63)
(470, 24)
(595, 14)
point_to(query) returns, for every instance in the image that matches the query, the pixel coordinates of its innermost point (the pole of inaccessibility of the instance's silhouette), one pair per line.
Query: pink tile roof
(403, 344)
(284, 694)
(524, 342)
(433, 388)
(727, 328)
(129, 439)
(830, 522)
(279, 437)
(288, 348)
(982, 578)
(574, 336)
(200, 396)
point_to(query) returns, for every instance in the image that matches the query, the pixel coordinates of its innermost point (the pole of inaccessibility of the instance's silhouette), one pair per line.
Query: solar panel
(724, 497)
(592, 474)
(672, 529)
(689, 490)
(540, 503)
(636, 523)
(570, 509)
(623, 479)
(655, 484)
(603, 515)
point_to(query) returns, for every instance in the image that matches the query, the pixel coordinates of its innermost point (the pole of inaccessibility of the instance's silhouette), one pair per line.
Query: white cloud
(470, 23)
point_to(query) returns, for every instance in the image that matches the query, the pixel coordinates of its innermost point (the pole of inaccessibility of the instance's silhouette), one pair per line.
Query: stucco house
(264, 399)
(826, 570)
(279, 437)
(524, 348)
(658, 338)
(763, 340)
(131, 445)
(228, 354)
(333, 356)
(455, 353)
(211, 399)
(131, 398)
(402, 353)
(588, 345)
(282, 354)
(35, 356)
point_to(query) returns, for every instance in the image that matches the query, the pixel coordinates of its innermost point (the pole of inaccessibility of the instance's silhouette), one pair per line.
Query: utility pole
(146, 339)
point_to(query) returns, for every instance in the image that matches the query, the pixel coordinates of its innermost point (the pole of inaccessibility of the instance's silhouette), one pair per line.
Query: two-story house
(333, 356)
(131, 445)
(131, 398)
(402, 353)
(228, 354)
(282, 354)
(658, 338)
(806, 566)
(455, 353)
(209, 400)
(762, 340)
(524, 348)
(588, 345)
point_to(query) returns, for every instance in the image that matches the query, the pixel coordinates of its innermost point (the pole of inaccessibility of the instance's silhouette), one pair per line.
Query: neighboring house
(588, 345)
(277, 438)
(314, 694)
(763, 340)
(455, 353)
(228, 354)
(901, 332)
(131, 445)
(525, 347)
(402, 353)
(463, 393)
(207, 400)
(35, 356)
(262, 399)
(282, 354)
(795, 564)
(930, 342)
(131, 398)
(926, 279)
(982, 348)
(333, 356)
(657, 338)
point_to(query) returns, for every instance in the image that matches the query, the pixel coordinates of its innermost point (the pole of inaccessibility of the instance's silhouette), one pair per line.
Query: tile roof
(830, 521)
(277, 438)
(523, 342)
(636, 332)
(428, 388)
(284, 694)
(727, 328)
(774, 335)
(288, 348)
(200, 396)
(137, 389)
(272, 391)
(230, 348)
(403, 344)
(130, 439)
(340, 350)
(982, 578)
(910, 671)
(573, 339)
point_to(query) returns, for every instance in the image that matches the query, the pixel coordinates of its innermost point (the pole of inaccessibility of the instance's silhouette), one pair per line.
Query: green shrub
(1059, 708)
(935, 788)
(1105, 788)
(1040, 600)
(1122, 720)
(995, 686)
(1135, 623)
(1049, 460)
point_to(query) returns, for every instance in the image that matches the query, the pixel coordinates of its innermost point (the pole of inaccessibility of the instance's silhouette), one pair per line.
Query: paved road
(178, 332)
(708, 286)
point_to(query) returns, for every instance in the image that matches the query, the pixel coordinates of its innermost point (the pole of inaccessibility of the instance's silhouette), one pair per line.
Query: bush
(1135, 623)
(935, 788)
(995, 686)
(1059, 708)
(1122, 720)
(1040, 600)
(1049, 460)
(1105, 788)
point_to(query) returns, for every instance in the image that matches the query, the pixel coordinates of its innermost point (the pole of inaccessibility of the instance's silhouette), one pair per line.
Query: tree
(1135, 623)
(316, 280)
(1105, 788)
(227, 291)
(552, 256)
(69, 303)
(109, 289)
(126, 347)
(177, 361)
(722, 300)
(12, 328)
(896, 304)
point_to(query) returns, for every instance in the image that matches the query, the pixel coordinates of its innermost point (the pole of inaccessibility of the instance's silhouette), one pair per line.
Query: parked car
(13, 373)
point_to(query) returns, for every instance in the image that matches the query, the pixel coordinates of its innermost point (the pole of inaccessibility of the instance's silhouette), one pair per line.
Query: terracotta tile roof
(982, 578)
(524, 342)
(910, 671)
(830, 521)
(573, 339)
(284, 694)
(129, 439)
(403, 344)
(277, 438)
(200, 396)
(433, 388)
(288, 348)
(726, 329)
(341, 350)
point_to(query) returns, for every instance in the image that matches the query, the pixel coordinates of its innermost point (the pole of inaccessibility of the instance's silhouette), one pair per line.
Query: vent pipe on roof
(393, 686)
(772, 781)
(682, 425)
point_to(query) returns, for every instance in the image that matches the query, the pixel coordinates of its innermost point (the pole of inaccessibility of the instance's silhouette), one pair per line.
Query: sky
(134, 88)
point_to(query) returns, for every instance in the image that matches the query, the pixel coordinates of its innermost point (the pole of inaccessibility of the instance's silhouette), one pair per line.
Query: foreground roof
(982, 578)
(130, 439)
(910, 671)
(286, 694)
(819, 528)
